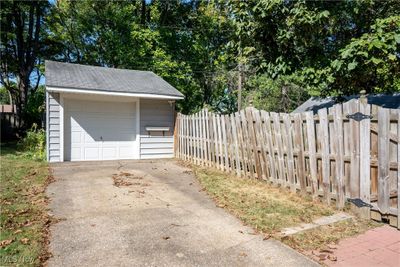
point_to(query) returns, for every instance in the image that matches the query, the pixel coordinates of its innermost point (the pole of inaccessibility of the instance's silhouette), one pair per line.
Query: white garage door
(99, 130)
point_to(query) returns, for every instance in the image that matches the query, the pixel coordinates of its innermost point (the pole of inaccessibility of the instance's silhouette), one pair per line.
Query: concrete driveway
(162, 219)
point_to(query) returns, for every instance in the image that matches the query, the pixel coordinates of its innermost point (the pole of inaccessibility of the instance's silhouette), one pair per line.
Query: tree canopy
(285, 51)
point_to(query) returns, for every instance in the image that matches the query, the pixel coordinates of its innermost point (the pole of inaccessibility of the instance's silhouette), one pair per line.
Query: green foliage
(4, 96)
(35, 107)
(286, 50)
(178, 40)
(282, 94)
(34, 143)
(371, 62)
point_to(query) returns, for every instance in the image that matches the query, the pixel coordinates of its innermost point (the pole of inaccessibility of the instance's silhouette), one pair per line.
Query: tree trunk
(143, 12)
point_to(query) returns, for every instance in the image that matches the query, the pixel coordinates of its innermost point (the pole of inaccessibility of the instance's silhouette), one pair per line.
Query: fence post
(365, 158)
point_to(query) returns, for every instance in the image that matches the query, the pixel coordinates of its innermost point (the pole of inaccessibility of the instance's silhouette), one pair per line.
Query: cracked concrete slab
(162, 219)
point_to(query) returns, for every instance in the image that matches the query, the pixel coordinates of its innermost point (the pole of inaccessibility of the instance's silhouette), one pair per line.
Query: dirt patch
(125, 179)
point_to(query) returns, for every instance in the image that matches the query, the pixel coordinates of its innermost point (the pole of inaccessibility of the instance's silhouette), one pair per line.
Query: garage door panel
(76, 153)
(88, 139)
(76, 137)
(96, 123)
(91, 153)
(100, 130)
(125, 151)
(109, 152)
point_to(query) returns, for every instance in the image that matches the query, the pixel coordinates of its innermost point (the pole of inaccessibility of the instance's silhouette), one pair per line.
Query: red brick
(391, 258)
(394, 247)
(361, 260)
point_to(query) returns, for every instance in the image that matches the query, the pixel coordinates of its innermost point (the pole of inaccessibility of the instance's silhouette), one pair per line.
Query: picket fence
(349, 152)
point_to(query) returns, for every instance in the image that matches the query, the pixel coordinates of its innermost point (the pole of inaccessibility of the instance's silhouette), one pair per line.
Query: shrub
(34, 143)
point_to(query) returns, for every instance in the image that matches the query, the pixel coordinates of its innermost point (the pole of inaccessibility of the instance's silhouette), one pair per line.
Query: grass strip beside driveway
(269, 209)
(266, 208)
(24, 218)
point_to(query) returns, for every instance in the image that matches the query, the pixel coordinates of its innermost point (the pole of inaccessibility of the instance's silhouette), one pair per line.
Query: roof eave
(111, 93)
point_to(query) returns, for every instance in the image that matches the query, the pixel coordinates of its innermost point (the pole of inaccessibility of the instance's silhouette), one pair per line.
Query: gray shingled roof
(76, 76)
(315, 103)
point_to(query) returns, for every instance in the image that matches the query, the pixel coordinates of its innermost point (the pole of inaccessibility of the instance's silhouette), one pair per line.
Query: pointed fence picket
(334, 154)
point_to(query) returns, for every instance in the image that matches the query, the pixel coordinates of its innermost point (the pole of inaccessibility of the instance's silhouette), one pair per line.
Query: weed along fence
(348, 152)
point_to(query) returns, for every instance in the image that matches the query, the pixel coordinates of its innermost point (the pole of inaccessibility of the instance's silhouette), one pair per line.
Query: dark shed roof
(315, 103)
(83, 77)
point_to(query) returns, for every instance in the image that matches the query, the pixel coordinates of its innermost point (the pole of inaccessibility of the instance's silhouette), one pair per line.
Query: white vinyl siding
(156, 113)
(53, 127)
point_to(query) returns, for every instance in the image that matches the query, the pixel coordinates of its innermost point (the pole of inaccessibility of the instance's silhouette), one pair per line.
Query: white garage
(96, 113)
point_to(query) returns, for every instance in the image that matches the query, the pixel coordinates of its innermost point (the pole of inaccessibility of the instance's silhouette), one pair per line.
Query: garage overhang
(110, 93)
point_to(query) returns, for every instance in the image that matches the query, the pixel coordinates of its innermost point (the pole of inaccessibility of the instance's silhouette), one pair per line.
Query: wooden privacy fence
(349, 152)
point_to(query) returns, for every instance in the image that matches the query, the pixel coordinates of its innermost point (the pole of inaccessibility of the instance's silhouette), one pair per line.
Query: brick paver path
(376, 247)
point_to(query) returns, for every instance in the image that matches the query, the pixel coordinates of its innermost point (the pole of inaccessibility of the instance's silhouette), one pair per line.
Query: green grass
(266, 208)
(23, 220)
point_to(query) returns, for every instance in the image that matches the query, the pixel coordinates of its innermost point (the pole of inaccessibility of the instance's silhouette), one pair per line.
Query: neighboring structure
(98, 113)
(315, 103)
(7, 108)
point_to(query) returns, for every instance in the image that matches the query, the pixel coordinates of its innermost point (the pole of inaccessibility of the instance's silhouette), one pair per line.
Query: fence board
(355, 153)
(311, 153)
(340, 186)
(383, 163)
(271, 151)
(262, 142)
(365, 159)
(252, 134)
(278, 143)
(323, 123)
(224, 143)
(289, 151)
(241, 144)
(235, 144)
(246, 138)
(298, 141)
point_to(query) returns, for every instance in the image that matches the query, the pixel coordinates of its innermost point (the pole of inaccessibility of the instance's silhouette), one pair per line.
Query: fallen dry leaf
(5, 243)
(332, 258)
(24, 240)
(325, 251)
(266, 237)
